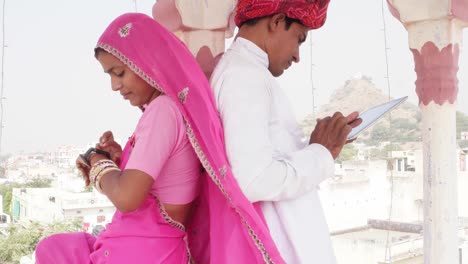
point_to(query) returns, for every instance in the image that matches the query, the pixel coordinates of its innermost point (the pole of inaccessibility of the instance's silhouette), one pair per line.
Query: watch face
(87, 154)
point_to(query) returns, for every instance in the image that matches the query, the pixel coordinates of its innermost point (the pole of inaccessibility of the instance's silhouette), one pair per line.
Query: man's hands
(332, 132)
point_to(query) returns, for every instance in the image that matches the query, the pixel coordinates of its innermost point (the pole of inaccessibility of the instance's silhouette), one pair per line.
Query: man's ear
(276, 21)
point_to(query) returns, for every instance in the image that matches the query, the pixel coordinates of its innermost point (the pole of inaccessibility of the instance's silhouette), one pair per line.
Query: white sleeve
(262, 172)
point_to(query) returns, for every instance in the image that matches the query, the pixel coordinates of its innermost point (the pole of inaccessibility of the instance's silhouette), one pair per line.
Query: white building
(47, 205)
(406, 161)
(381, 190)
(359, 190)
(367, 245)
(65, 156)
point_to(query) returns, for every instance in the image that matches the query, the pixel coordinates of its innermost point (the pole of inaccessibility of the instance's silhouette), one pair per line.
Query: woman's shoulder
(163, 104)
(162, 111)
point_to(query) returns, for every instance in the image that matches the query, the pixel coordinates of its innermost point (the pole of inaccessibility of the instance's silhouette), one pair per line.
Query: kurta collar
(252, 50)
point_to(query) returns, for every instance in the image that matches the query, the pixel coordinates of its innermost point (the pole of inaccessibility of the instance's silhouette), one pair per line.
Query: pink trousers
(146, 235)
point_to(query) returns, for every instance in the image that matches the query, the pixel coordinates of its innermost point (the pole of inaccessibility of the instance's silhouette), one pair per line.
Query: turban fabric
(311, 13)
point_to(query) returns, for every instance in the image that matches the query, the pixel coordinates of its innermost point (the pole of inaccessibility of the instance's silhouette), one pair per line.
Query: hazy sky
(57, 94)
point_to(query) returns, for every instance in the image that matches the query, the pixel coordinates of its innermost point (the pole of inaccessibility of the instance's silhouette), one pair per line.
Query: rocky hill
(401, 126)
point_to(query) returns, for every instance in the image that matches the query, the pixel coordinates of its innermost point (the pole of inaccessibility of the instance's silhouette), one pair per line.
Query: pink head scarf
(225, 227)
(311, 13)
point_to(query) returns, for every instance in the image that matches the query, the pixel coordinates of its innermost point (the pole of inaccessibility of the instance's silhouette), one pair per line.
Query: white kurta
(268, 158)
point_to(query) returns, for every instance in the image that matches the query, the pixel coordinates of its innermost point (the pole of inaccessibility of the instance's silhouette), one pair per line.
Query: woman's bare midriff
(179, 212)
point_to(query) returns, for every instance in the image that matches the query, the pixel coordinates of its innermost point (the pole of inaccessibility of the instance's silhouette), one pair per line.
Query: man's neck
(253, 34)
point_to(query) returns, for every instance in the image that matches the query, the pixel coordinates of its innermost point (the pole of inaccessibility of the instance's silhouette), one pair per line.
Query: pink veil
(225, 228)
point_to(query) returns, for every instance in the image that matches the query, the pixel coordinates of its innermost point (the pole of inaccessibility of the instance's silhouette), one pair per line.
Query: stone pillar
(202, 24)
(435, 33)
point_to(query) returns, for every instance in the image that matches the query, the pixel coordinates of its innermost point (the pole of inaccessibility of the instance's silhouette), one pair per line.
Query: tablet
(371, 115)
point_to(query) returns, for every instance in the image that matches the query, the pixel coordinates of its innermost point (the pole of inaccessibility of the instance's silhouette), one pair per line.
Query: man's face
(283, 46)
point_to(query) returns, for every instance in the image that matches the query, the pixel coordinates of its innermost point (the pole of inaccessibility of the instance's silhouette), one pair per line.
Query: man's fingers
(355, 122)
(338, 121)
(351, 117)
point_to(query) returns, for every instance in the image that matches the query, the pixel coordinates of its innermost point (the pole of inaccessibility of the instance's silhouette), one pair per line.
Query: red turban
(312, 13)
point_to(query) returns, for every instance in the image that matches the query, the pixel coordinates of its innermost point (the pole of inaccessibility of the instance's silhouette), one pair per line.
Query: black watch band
(91, 151)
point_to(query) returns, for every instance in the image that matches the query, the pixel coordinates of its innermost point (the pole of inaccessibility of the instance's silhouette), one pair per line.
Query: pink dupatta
(225, 227)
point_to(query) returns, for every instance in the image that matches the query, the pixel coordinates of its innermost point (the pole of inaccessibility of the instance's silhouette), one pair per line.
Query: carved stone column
(202, 24)
(435, 30)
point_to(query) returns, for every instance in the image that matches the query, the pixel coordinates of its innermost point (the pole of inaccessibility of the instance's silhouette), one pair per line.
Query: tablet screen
(373, 114)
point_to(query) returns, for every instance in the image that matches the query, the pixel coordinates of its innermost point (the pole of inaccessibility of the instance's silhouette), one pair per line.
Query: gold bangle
(98, 167)
(97, 183)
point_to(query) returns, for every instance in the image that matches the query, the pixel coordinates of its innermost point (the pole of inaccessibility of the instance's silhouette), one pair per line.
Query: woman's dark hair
(97, 51)
(288, 21)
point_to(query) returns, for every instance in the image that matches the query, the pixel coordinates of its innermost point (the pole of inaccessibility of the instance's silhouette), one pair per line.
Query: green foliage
(88, 188)
(37, 183)
(6, 190)
(462, 123)
(405, 124)
(404, 130)
(463, 143)
(380, 133)
(383, 153)
(418, 117)
(401, 131)
(347, 153)
(22, 240)
(2, 173)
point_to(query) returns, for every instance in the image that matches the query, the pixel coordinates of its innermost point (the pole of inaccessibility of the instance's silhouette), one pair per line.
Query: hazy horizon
(57, 94)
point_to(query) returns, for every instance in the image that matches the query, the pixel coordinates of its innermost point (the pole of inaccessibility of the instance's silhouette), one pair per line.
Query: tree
(88, 188)
(6, 190)
(2, 172)
(463, 143)
(462, 123)
(404, 124)
(379, 133)
(38, 183)
(22, 241)
(347, 153)
(383, 153)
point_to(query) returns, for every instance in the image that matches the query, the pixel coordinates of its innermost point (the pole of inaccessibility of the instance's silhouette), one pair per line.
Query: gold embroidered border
(213, 176)
(130, 64)
(177, 225)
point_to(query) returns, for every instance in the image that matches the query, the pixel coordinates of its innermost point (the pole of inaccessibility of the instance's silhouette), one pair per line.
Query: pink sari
(225, 226)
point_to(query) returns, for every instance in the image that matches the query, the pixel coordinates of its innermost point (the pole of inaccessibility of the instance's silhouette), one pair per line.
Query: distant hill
(358, 94)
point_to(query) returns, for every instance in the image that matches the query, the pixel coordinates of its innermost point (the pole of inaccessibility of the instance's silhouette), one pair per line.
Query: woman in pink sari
(176, 198)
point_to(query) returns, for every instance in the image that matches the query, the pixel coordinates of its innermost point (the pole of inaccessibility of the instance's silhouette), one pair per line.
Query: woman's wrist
(99, 169)
(95, 157)
(92, 153)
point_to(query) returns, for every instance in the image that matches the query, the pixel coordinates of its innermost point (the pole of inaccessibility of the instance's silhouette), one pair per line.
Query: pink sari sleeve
(156, 136)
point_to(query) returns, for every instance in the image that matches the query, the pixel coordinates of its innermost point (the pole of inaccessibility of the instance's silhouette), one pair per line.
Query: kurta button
(106, 253)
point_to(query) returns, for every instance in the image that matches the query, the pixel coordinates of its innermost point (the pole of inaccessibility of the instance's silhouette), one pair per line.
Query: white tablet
(371, 115)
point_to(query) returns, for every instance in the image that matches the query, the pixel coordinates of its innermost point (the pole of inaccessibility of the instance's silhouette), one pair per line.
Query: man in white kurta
(263, 141)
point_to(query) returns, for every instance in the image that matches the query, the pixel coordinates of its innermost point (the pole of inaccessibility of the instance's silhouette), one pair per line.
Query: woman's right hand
(83, 168)
(107, 143)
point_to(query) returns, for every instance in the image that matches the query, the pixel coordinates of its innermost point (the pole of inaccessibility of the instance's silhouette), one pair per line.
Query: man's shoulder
(234, 65)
